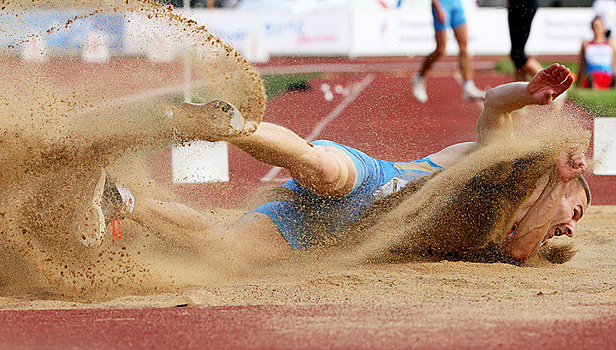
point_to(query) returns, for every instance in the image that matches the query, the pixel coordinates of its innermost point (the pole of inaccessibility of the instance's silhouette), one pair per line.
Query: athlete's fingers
(547, 96)
(551, 68)
(563, 74)
(568, 82)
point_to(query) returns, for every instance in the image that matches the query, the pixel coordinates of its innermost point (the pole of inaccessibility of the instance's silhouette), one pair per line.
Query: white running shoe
(109, 202)
(212, 121)
(471, 92)
(419, 88)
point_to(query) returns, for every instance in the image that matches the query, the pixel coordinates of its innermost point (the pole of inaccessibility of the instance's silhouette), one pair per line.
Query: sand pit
(579, 290)
(44, 267)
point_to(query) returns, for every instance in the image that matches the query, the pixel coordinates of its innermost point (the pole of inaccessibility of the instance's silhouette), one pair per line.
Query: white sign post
(605, 146)
(35, 48)
(200, 161)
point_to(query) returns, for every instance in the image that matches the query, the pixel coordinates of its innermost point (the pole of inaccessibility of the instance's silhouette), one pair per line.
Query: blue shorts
(316, 220)
(454, 14)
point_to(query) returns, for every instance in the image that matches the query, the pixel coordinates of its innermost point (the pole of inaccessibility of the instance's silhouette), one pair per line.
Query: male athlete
(336, 184)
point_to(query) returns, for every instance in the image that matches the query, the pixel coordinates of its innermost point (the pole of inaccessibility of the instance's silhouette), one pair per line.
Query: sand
(489, 292)
(65, 119)
(44, 267)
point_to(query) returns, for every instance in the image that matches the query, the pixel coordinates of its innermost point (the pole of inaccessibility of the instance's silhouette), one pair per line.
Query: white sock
(128, 199)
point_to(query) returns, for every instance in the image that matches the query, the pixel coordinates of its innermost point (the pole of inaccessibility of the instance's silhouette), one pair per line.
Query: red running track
(294, 327)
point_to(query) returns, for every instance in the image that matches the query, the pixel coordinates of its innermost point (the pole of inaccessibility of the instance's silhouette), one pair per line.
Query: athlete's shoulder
(451, 155)
(424, 164)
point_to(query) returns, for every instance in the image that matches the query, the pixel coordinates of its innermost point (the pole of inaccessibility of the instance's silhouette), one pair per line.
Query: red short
(599, 81)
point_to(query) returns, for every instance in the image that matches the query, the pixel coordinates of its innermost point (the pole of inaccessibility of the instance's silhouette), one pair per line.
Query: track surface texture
(291, 327)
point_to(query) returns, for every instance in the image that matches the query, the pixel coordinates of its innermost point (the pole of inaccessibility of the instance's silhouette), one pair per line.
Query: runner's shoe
(109, 202)
(419, 88)
(471, 92)
(212, 121)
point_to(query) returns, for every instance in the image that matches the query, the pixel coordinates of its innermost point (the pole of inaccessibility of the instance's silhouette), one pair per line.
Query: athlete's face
(570, 210)
(597, 26)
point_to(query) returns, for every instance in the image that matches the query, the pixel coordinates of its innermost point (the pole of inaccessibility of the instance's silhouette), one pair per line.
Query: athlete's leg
(418, 81)
(325, 170)
(528, 69)
(169, 216)
(471, 92)
(441, 43)
(464, 60)
(252, 239)
(520, 18)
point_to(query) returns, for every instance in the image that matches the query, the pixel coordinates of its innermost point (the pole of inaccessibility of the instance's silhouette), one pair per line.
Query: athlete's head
(597, 26)
(571, 208)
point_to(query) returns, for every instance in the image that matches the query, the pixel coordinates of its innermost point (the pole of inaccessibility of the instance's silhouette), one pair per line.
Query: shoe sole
(419, 96)
(211, 121)
(91, 225)
(236, 120)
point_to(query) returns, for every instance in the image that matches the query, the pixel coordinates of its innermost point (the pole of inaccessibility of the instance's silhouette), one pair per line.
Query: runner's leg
(441, 44)
(464, 60)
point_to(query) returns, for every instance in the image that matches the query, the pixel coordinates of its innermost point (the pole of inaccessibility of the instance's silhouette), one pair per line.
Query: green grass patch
(600, 102)
(505, 65)
(275, 84)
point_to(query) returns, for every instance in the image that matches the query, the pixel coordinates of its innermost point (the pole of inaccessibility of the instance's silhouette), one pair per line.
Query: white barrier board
(200, 161)
(258, 34)
(281, 33)
(605, 146)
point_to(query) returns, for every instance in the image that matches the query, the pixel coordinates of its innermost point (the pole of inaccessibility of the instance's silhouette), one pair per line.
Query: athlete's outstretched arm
(495, 119)
(495, 123)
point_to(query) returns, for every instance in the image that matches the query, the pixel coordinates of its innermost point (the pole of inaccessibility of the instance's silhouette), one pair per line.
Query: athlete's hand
(570, 166)
(549, 83)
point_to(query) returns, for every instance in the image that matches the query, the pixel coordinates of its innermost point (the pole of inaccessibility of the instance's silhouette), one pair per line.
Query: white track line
(274, 171)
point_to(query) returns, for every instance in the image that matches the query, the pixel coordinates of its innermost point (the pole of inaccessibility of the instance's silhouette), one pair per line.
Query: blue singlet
(375, 178)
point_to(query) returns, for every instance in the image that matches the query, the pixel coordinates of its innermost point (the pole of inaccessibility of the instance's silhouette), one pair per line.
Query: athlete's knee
(316, 169)
(329, 174)
(329, 170)
(439, 50)
(463, 50)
